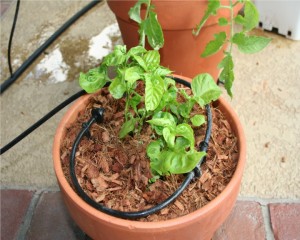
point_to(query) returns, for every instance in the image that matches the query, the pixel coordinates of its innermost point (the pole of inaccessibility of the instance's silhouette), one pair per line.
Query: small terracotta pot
(197, 225)
(181, 51)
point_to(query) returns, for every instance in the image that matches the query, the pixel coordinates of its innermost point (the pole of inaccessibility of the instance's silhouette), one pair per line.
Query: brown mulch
(116, 172)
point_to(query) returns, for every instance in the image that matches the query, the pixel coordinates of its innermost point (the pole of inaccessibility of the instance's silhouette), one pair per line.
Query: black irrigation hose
(97, 116)
(41, 121)
(42, 48)
(11, 38)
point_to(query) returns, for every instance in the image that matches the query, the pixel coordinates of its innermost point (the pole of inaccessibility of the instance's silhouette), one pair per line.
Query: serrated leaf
(205, 89)
(117, 88)
(227, 74)
(215, 45)
(250, 44)
(198, 120)
(92, 81)
(154, 91)
(213, 6)
(152, 29)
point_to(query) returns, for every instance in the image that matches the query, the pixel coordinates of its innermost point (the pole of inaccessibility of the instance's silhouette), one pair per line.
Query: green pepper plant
(172, 151)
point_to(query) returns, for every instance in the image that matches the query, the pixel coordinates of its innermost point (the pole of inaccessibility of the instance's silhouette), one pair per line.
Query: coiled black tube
(97, 116)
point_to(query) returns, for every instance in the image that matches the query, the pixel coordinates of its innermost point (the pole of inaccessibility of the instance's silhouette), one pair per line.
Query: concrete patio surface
(266, 97)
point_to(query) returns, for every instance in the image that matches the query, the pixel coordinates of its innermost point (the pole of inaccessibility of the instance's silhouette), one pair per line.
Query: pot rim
(124, 223)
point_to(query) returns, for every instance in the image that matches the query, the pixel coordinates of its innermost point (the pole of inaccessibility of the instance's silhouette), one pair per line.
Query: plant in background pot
(152, 139)
(204, 51)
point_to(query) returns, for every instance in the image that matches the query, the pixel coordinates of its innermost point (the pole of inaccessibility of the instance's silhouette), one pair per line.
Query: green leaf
(185, 163)
(250, 44)
(223, 21)
(135, 12)
(127, 127)
(177, 162)
(215, 45)
(116, 57)
(169, 136)
(134, 101)
(205, 89)
(213, 6)
(154, 91)
(227, 74)
(140, 61)
(162, 71)
(251, 16)
(198, 120)
(163, 119)
(152, 59)
(92, 81)
(138, 50)
(187, 132)
(181, 143)
(117, 88)
(132, 74)
(153, 149)
(152, 29)
(184, 109)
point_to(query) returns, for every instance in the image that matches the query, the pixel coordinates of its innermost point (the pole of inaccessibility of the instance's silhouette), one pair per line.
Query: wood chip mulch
(116, 172)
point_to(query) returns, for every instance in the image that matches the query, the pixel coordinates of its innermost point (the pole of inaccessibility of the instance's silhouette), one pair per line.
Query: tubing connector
(98, 114)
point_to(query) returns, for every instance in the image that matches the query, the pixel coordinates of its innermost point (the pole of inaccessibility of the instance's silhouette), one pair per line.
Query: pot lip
(64, 185)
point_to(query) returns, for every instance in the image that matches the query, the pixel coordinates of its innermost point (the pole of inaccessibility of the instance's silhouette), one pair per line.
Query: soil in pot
(116, 172)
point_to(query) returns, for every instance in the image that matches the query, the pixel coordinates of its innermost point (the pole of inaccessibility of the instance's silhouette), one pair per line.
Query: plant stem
(143, 35)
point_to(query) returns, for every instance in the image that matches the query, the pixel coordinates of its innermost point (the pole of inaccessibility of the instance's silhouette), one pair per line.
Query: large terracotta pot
(182, 50)
(198, 225)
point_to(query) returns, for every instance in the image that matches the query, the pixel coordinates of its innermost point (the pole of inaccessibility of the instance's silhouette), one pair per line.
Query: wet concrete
(266, 96)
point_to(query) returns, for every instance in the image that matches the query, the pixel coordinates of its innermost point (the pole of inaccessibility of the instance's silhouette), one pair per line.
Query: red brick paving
(285, 220)
(14, 206)
(50, 219)
(245, 222)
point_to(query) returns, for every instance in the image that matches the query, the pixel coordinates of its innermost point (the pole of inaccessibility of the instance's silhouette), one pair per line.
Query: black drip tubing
(42, 48)
(97, 116)
(41, 121)
(11, 38)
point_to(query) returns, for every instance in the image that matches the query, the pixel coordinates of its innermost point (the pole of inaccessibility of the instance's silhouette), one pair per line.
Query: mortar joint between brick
(267, 222)
(22, 232)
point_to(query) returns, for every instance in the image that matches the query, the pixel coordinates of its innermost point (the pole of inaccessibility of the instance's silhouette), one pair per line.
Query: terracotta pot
(182, 50)
(200, 224)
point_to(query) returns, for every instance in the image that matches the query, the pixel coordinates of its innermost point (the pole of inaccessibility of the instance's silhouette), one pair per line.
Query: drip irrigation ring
(97, 116)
